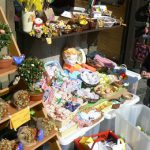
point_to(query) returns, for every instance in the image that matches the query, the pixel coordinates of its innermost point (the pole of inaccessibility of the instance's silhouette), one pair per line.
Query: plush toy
(75, 60)
(38, 24)
(70, 58)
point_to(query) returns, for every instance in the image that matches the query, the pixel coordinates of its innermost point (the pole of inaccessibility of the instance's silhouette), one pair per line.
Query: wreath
(5, 35)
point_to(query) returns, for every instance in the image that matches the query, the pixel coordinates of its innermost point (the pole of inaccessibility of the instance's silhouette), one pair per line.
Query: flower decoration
(5, 35)
(30, 5)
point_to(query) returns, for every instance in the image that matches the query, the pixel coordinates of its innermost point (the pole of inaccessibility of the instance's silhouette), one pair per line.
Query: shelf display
(71, 99)
(47, 25)
(82, 97)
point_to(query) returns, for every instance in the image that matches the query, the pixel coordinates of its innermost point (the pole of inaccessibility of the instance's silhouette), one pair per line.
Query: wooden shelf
(13, 110)
(7, 71)
(4, 91)
(86, 31)
(46, 139)
(77, 33)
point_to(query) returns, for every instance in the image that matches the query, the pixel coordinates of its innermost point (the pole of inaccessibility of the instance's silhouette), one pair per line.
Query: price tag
(19, 118)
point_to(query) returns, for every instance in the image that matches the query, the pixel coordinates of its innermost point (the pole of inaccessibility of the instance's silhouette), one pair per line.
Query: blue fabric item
(74, 75)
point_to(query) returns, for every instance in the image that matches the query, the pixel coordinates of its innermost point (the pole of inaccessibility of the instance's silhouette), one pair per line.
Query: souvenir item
(57, 112)
(18, 60)
(70, 56)
(71, 85)
(87, 118)
(71, 106)
(51, 67)
(48, 94)
(120, 71)
(81, 59)
(20, 146)
(104, 62)
(105, 90)
(87, 95)
(40, 135)
(8, 145)
(27, 136)
(3, 108)
(45, 126)
(108, 21)
(107, 79)
(28, 12)
(21, 99)
(94, 64)
(38, 25)
(90, 78)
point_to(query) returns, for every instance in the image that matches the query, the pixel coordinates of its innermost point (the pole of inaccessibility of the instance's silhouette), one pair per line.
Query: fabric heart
(19, 60)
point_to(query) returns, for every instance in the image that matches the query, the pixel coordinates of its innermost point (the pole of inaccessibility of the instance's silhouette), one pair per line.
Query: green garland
(5, 35)
(31, 71)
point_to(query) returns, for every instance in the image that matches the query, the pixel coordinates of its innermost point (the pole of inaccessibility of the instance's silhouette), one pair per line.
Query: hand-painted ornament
(20, 146)
(19, 60)
(40, 135)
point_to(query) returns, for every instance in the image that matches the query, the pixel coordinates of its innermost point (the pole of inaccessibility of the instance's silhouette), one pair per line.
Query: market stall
(63, 100)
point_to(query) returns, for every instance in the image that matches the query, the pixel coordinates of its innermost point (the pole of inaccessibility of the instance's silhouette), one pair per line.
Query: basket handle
(97, 140)
(121, 141)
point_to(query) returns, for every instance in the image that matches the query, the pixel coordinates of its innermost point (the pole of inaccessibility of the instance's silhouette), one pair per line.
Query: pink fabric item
(104, 61)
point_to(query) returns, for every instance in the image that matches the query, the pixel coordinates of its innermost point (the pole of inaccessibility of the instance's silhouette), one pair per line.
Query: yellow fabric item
(86, 140)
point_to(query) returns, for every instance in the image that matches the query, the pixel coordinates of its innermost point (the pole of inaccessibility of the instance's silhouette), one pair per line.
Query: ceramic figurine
(40, 135)
(18, 60)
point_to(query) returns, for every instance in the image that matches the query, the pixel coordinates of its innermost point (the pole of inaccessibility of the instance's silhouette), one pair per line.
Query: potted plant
(31, 71)
(27, 136)
(46, 124)
(5, 40)
(6, 144)
(3, 108)
(28, 13)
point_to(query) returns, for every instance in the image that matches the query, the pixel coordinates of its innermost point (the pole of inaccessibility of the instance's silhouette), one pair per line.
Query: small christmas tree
(31, 71)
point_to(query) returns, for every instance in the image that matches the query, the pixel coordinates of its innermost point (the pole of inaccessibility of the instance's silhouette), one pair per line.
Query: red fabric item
(101, 136)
